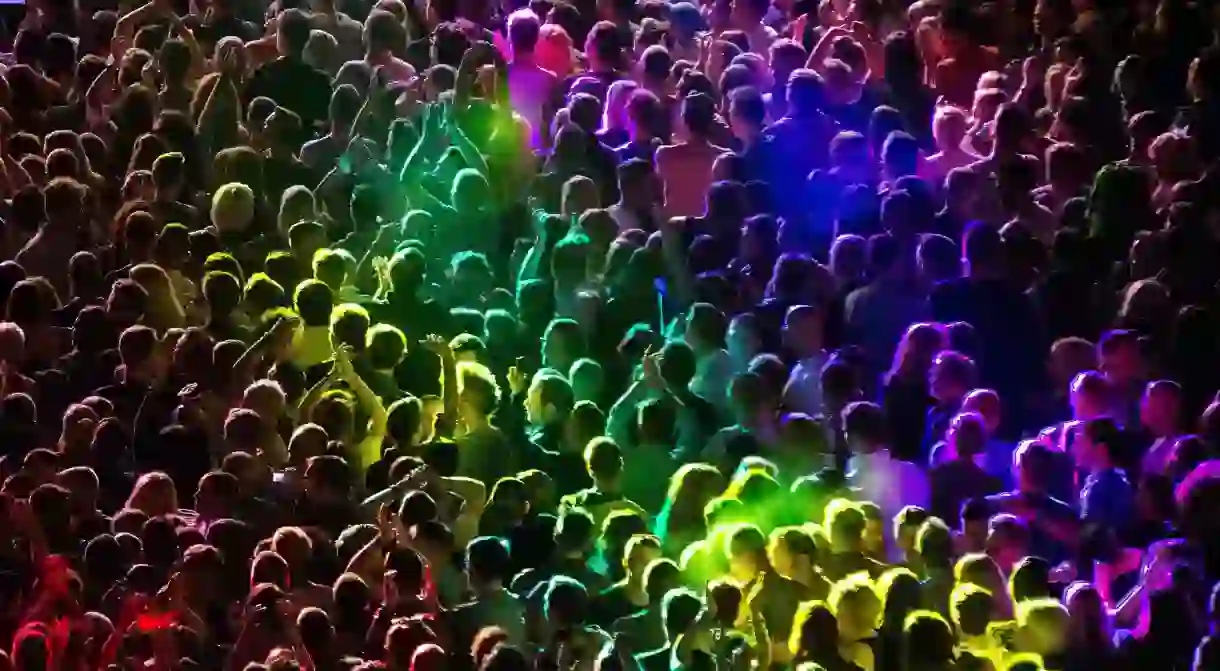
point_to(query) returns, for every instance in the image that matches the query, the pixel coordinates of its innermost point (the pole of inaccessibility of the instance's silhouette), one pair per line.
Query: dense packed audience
(865, 335)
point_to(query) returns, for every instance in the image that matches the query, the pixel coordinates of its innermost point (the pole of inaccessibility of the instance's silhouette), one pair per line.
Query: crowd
(627, 335)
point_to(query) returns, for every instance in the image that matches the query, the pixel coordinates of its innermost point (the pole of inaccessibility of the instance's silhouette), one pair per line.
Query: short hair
(488, 558)
(1042, 611)
(851, 589)
(656, 62)
(523, 30)
(982, 244)
(64, 196)
(634, 171)
(1104, 431)
(866, 420)
(844, 521)
(699, 113)
(345, 104)
(604, 458)
(574, 529)
(901, 152)
(746, 539)
(970, 607)
(747, 102)
(350, 316)
(385, 346)
(656, 419)
(679, 609)
(382, 29)
(970, 434)
(565, 599)
(806, 91)
(555, 390)
(957, 367)
(604, 42)
(137, 344)
(479, 380)
(231, 201)
(734, 77)
(330, 264)
(293, 28)
(934, 543)
(314, 301)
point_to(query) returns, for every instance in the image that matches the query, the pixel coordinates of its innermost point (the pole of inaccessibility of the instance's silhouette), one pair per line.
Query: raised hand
(440, 346)
(343, 362)
(516, 380)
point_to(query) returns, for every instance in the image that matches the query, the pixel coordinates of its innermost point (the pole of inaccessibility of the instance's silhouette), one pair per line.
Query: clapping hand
(343, 363)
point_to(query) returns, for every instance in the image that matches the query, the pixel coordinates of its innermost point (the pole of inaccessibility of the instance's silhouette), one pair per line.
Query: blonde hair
(941, 120)
(855, 605)
(1042, 611)
(164, 309)
(918, 348)
(297, 204)
(851, 592)
(154, 495)
(969, 566)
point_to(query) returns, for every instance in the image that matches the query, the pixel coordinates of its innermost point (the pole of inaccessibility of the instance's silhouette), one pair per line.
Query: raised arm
(439, 346)
(125, 29)
(220, 117)
(370, 447)
(817, 57)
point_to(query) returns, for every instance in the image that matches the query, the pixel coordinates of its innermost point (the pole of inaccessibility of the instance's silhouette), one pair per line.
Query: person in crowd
(619, 333)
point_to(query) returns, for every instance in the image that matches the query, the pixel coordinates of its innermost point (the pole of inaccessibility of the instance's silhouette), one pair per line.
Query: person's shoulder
(947, 289)
(858, 296)
(910, 470)
(575, 499)
(610, 590)
(665, 153)
(1000, 499)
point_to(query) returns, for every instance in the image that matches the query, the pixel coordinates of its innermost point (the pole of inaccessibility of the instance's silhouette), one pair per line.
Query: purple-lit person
(530, 86)
(685, 168)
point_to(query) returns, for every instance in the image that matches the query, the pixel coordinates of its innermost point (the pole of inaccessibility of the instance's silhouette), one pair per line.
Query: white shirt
(888, 482)
(803, 393)
(625, 218)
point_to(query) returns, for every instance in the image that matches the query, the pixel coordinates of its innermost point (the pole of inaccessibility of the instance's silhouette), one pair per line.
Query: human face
(534, 410)
(942, 385)
(742, 568)
(554, 354)
(782, 560)
(742, 341)
(1122, 366)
